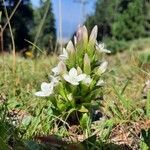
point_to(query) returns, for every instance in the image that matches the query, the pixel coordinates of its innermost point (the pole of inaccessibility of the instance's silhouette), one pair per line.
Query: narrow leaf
(87, 65)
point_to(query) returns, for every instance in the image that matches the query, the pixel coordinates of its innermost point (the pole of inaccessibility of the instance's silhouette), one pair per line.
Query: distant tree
(21, 23)
(121, 19)
(104, 16)
(130, 22)
(44, 31)
(147, 16)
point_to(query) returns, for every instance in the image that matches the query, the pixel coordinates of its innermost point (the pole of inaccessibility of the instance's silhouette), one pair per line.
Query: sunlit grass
(123, 99)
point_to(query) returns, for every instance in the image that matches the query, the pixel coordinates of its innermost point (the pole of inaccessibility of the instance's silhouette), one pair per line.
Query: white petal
(67, 78)
(106, 51)
(100, 83)
(70, 80)
(55, 70)
(101, 48)
(54, 79)
(75, 40)
(64, 56)
(81, 77)
(46, 89)
(147, 82)
(101, 45)
(73, 72)
(65, 51)
(42, 94)
(103, 67)
(87, 80)
(74, 83)
(45, 86)
(61, 67)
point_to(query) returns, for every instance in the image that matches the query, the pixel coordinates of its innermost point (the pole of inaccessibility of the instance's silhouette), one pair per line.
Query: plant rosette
(77, 81)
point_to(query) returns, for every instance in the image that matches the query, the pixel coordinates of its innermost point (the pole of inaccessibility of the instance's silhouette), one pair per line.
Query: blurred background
(50, 24)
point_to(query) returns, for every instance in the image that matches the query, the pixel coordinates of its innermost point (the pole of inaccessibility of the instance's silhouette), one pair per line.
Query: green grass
(123, 103)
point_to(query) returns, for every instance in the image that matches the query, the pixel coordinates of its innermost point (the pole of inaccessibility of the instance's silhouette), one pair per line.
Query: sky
(72, 15)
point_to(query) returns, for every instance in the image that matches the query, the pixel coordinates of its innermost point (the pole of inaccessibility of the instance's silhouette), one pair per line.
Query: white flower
(61, 67)
(100, 83)
(64, 56)
(54, 79)
(101, 48)
(87, 80)
(102, 68)
(73, 77)
(46, 89)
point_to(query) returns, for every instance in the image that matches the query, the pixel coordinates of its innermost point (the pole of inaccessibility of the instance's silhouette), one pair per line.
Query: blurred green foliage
(25, 25)
(45, 26)
(21, 23)
(121, 21)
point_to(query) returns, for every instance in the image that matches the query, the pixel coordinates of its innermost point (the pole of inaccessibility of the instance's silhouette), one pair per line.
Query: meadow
(28, 122)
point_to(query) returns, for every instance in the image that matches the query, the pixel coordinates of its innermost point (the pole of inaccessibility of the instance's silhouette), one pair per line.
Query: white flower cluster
(75, 75)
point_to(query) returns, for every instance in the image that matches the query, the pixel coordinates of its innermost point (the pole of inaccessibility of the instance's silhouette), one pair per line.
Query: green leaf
(83, 109)
(80, 50)
(90, 143)
(84, 121)
(87, 65)
(145, 144)
(61, 105)
(70, 62)
(26, 120)
(60, 89)
(126, 103)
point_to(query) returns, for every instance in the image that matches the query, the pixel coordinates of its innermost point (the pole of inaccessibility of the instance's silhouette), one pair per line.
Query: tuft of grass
(123, 105)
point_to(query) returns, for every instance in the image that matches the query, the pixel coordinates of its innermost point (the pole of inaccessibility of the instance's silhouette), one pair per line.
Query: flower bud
(70, 47)
(82, 34)
(93, 35)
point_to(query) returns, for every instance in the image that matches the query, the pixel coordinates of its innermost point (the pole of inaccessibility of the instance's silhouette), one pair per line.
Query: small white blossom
(87, 80)
(101, 48)
(61, 67)
(64, 56)
(54, 79)
(73, 77)
(102, 68)
(46, 89)
(100, 83)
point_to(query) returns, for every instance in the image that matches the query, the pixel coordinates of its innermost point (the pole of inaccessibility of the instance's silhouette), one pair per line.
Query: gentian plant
(77, 80)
